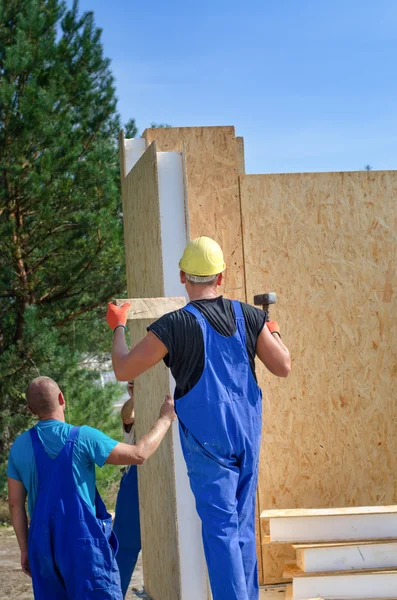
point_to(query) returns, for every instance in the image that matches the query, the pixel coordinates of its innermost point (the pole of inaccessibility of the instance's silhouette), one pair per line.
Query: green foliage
(61, 234)
(131, 129)
(159, 125)
(61, 245)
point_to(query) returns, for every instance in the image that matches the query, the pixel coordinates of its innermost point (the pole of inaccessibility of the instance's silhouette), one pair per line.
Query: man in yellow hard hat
(210, 346)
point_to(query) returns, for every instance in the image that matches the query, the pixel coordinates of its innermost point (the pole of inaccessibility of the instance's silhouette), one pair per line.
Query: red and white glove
(117, 315)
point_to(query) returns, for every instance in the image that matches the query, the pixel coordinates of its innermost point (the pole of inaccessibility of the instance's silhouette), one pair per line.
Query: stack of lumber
(341, 553)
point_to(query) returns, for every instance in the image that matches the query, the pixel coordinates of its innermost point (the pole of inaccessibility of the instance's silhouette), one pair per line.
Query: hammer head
(265, 299)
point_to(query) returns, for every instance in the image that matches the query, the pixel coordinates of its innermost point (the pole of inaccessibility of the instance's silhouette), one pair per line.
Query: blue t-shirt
(92, 447)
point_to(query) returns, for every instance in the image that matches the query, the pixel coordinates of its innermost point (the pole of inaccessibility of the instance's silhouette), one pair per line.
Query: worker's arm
(127, 413)
(273, 353)
(125, 454)
(128, 364)
(19, 519)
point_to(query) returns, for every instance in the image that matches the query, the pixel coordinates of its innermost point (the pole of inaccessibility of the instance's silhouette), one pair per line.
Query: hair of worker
(42, 395)
(200, 279)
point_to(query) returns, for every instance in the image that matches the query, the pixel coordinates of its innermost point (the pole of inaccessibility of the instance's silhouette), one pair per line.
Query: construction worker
(210, 347)
(69, 549)
(126, 522)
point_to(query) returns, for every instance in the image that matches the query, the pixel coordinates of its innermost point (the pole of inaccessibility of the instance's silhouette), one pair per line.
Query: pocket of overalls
(110, 536)
(92, 563)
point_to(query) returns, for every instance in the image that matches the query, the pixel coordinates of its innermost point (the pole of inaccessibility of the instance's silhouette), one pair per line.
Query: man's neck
(53, 417)
(203, 293)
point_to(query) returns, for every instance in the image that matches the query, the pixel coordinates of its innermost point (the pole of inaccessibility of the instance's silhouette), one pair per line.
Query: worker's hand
(273, 327)
(130, 390)
(167, 409)
(25, 564)
(117, 315)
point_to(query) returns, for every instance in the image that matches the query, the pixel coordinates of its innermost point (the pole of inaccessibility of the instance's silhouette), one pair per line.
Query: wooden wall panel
(327, 244)
(144, 265)
(240, 155)
(212, 189)
(213, 158)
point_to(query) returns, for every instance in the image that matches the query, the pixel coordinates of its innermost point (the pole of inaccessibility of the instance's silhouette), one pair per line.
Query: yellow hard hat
(202, 257)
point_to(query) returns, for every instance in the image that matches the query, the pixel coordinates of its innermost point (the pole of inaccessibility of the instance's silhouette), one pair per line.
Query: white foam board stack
(341, 554)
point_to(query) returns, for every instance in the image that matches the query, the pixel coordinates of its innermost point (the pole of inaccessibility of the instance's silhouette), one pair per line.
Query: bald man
(69, 549)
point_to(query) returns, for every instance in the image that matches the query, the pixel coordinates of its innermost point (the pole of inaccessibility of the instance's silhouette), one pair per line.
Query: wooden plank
(293, 571)
(240, 155)
(326, 243)
(173, 240)
(144, 265)
(338, 557)
(346, 585)
(213, 201)
(317, 545)
(258, 540)
(273, 593)
(289, 592)
(151, 308)
(347, 511)
(336, 528)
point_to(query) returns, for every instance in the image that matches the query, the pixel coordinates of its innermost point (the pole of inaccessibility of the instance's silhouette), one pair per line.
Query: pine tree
(61, 247)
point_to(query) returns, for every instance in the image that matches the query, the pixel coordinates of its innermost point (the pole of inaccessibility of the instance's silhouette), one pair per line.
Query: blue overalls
(220, 423)
(126, 526)
(71, 551)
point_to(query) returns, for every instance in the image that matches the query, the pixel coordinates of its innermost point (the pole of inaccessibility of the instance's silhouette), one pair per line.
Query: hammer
(264, 300)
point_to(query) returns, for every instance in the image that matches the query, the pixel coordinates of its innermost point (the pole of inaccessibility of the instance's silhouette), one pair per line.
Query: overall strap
(196, 313)
(74, 432)
(240, 321)
(40, 454)
(38, 448)
(67, 451)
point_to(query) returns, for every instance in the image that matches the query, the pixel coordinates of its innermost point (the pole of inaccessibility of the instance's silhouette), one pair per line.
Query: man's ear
(61, 399)
(220, 279)
(182, 277)
(31, 410)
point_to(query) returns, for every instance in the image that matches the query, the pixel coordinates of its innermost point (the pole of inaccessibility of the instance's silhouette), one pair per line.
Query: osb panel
(142, 234)
(212, 158)
(145, 279)
(240, 155)
(326, 243)
(212, 189)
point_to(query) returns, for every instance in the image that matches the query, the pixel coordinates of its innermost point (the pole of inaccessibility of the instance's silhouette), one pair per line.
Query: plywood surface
(295, 572)
(151, 308)
(318, 546)
(240, 155)
(212, 191)
(145, 279)
(326, 243)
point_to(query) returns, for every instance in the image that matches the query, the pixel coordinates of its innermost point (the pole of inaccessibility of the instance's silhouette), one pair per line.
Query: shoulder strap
(74, 432)
(40, 454)
(240, 321)
(39, 450)
(194, 311)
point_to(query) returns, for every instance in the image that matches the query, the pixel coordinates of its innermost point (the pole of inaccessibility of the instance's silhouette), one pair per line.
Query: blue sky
(311, 85)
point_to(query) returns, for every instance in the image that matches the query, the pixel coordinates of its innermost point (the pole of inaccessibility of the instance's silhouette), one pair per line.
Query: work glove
(273, 327)
(117, 315)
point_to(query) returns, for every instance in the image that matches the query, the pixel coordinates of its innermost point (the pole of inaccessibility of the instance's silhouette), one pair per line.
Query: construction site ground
(15, 585)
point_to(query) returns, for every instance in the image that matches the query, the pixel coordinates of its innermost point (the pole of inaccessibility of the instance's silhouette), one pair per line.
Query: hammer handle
(265, 308)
